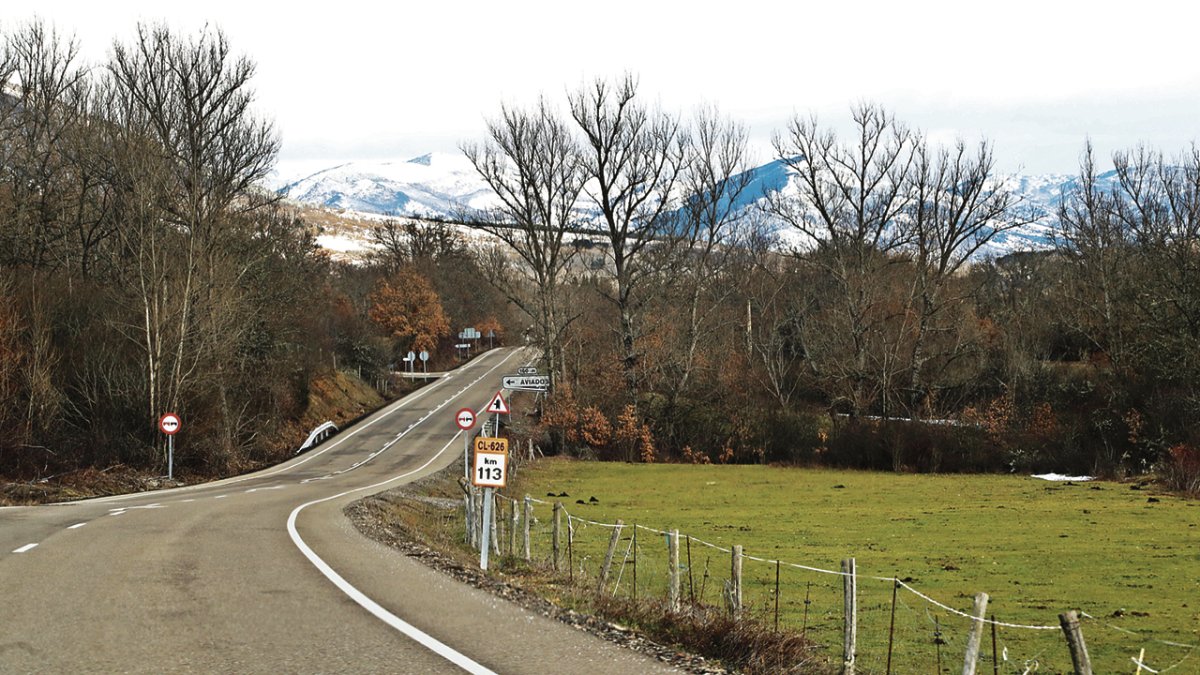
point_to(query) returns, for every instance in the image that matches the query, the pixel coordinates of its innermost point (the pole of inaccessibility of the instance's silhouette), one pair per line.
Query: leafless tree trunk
(533, 165)
(958, 208)
(714, 183)
(191, 101)
(633, 160)
(850, 198)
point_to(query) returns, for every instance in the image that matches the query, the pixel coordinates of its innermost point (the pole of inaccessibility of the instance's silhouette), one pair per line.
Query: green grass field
(1128, 557)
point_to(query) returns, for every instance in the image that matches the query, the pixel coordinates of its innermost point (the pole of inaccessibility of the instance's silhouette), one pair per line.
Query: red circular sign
(169, 424)
(465, 418)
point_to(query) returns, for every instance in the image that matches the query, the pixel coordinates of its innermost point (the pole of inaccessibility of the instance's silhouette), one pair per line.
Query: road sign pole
(487, 528)
(466, 452)
(171, 457)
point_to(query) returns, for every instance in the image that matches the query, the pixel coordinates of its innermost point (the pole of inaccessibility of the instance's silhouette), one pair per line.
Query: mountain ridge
(438, 184)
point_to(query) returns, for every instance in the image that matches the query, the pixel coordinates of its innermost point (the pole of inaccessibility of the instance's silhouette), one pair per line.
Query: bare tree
(399, 243)
(44, 103)
(633, 160)
(187, 104)
(849, 203)
(1099, 248)
(958, 208)
(714, 183)
(533, 165)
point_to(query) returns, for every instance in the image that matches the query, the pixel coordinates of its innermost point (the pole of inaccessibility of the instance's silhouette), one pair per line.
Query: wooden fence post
(557, 533)
(850, 619)
(975, 637)
(735, 580)
(608, 556)
(673, 572)
(528, 517)
(1079, 654)
(512, 529)
(468, 518)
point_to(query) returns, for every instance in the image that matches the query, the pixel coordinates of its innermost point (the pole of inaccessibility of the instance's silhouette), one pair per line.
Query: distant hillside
(443, 184)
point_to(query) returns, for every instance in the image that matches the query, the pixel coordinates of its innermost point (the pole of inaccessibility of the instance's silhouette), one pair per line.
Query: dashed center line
(76, 526)
(26, 547)
(220, 497)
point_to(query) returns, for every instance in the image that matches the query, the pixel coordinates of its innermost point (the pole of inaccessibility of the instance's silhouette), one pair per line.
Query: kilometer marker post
(490, 472)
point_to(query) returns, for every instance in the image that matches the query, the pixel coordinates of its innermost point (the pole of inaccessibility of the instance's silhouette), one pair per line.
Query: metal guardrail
(319, 434)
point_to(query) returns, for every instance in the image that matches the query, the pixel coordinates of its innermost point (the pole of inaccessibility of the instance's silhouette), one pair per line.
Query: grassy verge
(1127, 557)
(426, 521)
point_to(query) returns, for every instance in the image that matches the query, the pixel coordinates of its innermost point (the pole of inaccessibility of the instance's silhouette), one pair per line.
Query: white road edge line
(425, 639)
(26, 547)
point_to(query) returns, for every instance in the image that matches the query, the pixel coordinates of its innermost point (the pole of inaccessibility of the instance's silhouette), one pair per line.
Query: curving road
(263, 573)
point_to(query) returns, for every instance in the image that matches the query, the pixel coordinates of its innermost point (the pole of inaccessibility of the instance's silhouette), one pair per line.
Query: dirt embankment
(338, 396)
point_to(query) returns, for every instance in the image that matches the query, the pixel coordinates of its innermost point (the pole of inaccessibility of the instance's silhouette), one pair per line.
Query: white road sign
(424, 356)
(169, 424)
(527, 382)
(527, 370)
(491, 469)
(465, 419)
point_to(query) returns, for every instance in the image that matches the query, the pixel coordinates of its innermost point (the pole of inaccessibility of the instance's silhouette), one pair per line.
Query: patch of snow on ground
(341, 243)
(1059, 478)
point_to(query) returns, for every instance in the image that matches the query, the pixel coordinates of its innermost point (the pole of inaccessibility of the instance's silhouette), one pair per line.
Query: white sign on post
(526, 382)
(465, 419)
(491, 469)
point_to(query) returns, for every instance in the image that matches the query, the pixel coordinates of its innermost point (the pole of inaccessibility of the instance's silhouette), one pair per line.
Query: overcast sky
(357, 80)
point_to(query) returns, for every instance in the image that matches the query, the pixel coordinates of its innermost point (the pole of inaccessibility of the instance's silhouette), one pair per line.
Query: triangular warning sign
(498, 406)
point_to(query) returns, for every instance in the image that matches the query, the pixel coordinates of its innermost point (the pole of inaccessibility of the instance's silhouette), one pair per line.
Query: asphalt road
(263, 573)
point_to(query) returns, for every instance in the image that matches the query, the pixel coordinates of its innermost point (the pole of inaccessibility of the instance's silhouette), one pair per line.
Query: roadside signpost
(527, 370)
(465, 419)
(490, 472)
(411, 360)
(169, 424)
(424, 361)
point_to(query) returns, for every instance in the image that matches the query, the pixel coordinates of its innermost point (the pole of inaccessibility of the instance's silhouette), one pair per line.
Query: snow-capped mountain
(435, 184)
(443, 184)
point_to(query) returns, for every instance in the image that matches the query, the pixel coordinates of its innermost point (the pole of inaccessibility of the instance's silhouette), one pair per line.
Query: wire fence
(898, 627)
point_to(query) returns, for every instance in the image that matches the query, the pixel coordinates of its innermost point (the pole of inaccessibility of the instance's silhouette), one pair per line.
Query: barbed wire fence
(870, 623)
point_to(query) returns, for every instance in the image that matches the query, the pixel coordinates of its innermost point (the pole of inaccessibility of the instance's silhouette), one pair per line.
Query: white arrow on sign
(527, 382)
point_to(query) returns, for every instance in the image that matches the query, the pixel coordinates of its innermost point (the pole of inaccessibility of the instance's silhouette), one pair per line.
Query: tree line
(684, 328)
(144, 269)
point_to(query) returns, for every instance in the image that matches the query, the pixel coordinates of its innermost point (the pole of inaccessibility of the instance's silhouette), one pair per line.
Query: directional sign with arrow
(527, 382)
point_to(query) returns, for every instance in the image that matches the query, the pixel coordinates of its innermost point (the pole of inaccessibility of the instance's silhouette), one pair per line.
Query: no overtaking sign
(169, 424)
